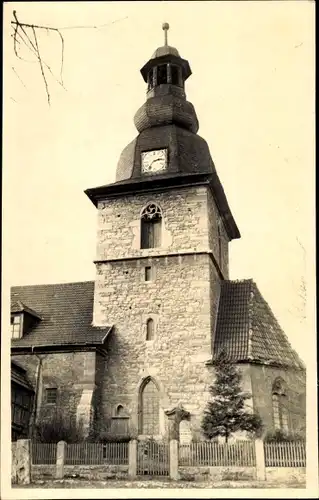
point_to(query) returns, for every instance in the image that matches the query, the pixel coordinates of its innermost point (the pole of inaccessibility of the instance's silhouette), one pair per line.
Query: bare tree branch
(35, 47)
(18, 76)
(62, 55)
(101, 26)
(43, 62)
(41, 66)
(14, 36)
(33, 51)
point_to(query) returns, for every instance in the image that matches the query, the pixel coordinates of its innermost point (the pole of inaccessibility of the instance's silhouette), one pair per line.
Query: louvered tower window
(151, 227)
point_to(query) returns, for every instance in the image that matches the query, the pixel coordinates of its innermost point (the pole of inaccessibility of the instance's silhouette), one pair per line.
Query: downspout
(36, 400)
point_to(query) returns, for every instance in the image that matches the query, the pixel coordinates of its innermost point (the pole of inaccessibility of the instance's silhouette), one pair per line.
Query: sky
(253, 90)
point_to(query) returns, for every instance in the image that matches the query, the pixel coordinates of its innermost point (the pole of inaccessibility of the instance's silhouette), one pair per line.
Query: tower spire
(165, 27)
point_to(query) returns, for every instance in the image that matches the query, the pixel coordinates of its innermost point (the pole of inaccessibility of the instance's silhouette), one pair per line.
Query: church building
(132, 352)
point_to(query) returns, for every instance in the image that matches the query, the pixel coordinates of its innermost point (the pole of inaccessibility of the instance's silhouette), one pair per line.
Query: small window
(148, 273)
(51, 396)
(162, 74)
(150, 327)
(16, 326)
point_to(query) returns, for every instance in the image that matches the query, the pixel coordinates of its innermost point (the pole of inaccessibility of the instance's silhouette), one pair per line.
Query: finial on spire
(165, 27)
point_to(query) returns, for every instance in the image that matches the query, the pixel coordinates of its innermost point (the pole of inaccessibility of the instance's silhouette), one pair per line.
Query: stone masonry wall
(178, 300)
(71, 373)
(89, 472)
(182, 299)
(262, 379)
(100, 367)
(186, 225)
(218, 238)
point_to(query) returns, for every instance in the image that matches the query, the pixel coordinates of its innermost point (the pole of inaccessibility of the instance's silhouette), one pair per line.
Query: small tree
(226, 413)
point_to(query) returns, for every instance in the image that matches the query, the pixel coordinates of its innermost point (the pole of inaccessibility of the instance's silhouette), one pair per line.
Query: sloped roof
(66, 310)
(19, 376)
(17, 307)
(247, 329)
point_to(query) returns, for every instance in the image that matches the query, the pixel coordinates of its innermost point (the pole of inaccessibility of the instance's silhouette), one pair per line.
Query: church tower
(162, 252)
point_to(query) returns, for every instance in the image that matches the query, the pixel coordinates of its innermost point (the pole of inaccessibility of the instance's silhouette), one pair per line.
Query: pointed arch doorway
(152, 451)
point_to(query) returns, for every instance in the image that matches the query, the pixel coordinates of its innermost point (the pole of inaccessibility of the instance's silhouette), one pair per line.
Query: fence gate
(152, 458)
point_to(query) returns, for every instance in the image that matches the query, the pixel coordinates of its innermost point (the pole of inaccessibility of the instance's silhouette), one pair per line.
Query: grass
(158, 483)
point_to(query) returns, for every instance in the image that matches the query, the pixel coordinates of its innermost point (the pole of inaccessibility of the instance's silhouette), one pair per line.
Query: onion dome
(166, 120)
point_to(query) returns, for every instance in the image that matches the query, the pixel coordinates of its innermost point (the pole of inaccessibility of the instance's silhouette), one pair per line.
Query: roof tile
(66, 310)
(247, 329)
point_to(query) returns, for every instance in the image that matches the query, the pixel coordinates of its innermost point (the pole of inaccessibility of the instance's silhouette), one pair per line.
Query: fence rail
(97, 454)
(212, 454)
(286, 454)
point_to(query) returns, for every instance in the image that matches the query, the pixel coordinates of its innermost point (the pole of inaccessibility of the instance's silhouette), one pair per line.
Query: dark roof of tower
(165, 50)
(66, 310)
(247, 329)
(167, 121)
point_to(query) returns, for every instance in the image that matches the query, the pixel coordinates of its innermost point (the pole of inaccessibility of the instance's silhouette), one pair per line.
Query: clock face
(154, 161)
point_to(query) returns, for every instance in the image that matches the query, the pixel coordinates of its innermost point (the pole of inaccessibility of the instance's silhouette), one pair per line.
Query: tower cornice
(167, 182)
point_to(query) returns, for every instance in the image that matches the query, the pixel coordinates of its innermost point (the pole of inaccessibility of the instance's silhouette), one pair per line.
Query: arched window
(280, 406)
(150, 328)
(149, 409)
(151, 226)
(120, 412)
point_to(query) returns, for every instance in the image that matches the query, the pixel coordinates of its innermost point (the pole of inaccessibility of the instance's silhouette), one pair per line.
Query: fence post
(23, 461)
(132, 458)
(13, 462)
(260, 460)
(60, 459)
(173, 459)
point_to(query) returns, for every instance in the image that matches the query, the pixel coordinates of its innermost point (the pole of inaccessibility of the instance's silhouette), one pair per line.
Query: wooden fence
(43, 453)
(82, 454)
(154, 457)
(97, 454)
(241, 453)
(288, 454)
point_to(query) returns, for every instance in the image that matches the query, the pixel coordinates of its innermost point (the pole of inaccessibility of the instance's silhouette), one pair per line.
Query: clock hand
(154, 161)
